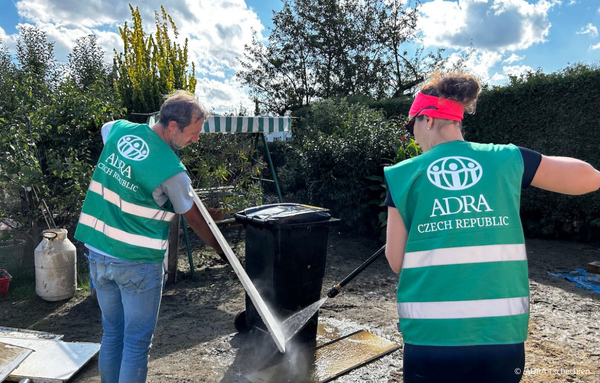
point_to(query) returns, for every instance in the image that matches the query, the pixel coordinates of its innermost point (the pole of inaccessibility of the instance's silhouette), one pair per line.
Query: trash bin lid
(283, 213)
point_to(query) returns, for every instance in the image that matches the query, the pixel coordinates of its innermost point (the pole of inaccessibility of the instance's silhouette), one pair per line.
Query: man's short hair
(181, 106)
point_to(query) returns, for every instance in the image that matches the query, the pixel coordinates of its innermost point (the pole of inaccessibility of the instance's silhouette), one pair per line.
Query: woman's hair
(181, 106)
(459, 87)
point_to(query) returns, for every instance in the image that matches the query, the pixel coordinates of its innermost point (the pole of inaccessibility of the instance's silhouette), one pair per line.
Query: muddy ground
(196, 340)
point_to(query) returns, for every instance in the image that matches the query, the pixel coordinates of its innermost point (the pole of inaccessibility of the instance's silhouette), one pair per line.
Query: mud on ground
(196, 341)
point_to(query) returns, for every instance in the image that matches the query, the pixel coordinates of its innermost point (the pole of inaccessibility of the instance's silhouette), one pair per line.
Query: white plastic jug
(55, 266)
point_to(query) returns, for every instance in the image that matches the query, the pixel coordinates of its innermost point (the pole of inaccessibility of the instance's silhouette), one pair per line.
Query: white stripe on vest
(464, 309)
(123, 236)
(128, 207)
(461, 255)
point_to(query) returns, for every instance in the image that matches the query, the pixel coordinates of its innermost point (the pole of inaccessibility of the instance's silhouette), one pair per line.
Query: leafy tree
(36, 56)
(50, 134)
(335, 48)
(86, 64)
(8, 72)
(151, 66)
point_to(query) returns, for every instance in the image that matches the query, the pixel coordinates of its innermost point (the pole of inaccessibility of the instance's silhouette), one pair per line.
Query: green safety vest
(464, 274)
(119, 214)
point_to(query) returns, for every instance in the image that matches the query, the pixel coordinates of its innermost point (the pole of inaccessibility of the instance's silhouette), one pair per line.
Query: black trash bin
(286, 249)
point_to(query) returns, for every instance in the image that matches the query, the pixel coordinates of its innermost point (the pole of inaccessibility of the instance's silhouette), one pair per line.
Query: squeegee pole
(336, 289)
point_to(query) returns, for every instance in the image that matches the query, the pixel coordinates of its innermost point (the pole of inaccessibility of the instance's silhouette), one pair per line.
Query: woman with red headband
(454, 235)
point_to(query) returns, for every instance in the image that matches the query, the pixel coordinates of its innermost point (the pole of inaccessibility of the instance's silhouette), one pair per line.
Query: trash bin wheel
(240, 322)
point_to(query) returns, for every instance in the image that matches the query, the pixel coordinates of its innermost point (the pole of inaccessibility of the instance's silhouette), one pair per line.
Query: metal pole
(187, 245)
(264, 137)
(336, 289)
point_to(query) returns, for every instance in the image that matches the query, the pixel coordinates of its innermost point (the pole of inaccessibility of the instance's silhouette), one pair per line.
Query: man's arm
(178, 190)
(197, 222)
(105, 130)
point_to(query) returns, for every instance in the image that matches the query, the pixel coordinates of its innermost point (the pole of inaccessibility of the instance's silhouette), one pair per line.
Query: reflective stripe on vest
(461, 255)
(464, 309)
(120, 235)
(130, 208)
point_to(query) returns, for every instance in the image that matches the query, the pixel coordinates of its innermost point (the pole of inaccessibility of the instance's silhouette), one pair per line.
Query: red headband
(446, 109)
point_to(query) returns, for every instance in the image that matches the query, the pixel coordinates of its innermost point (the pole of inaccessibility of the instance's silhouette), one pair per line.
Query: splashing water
(293, 324)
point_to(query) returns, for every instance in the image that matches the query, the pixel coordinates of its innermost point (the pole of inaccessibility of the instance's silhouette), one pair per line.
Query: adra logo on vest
(133, 148)
(454, 173)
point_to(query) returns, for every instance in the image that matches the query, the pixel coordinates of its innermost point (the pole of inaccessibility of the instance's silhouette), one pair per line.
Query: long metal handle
(336, 289)
(260, 305)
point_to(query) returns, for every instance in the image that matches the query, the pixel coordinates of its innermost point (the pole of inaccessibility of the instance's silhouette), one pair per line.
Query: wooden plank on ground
(260, 305)
(330, 360)
(593, 267)
(10, 358)
(53, 361)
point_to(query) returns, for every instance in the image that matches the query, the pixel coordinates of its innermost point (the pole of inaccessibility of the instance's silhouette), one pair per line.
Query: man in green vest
(138, 186)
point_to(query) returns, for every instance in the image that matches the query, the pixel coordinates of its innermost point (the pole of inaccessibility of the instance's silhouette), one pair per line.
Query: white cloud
(594, 47)
(222, 96)
(478, 64)
(517, 70)
(513, 59)
(495, 25)
(216, 31)
(498, 78)
(589, 30)
(75, 13)
(8, 41)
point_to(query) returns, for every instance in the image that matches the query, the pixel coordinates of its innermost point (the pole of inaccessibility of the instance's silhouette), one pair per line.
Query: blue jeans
(129, 295)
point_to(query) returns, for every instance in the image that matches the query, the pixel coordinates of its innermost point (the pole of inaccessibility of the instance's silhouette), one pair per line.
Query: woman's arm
(396, 239)
(566, 175)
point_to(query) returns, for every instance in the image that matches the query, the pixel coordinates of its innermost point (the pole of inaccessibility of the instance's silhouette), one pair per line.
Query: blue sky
(510, 36)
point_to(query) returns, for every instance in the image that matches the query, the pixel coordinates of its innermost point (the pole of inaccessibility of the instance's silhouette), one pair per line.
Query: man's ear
(172, 125)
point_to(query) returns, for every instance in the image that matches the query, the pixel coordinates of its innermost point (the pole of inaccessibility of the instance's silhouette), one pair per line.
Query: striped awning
(260, 124)
(229, 124)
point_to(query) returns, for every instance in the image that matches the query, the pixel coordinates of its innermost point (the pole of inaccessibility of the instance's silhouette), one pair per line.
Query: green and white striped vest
(119, 215)
(464, 275)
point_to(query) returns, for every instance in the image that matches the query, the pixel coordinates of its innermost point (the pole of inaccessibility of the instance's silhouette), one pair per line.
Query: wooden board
(10, 358)
(260, 305)
(53, 361)
(11, 332)
(330, 360)
(593, 267)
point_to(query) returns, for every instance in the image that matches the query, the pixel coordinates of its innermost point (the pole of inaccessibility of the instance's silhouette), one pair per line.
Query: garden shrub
(340, 146)
(226, 160)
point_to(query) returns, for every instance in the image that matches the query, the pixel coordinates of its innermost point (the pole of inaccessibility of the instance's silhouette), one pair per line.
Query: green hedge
(557, 115)
(393, 107)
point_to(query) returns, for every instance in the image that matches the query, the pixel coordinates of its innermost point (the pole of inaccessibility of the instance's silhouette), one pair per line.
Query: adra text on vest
(462, 204)
(118, 163)
(105, 169)
(465, 204)
(463, 223)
